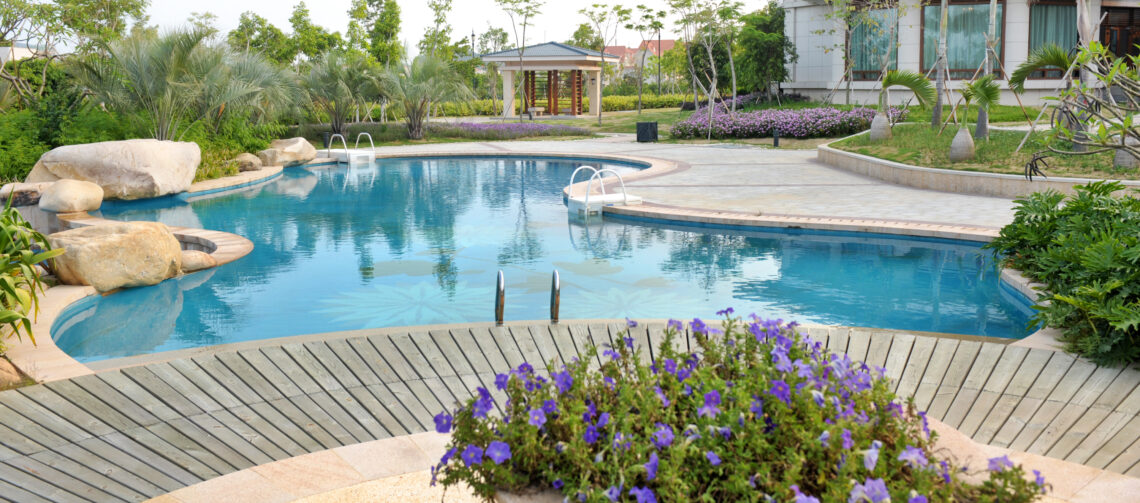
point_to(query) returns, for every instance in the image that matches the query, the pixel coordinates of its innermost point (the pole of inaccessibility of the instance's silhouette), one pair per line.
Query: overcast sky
(558, 20)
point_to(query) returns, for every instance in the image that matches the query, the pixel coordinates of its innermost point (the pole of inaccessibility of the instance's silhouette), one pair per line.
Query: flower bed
(502, 130)
(794, 123)
(759, 413)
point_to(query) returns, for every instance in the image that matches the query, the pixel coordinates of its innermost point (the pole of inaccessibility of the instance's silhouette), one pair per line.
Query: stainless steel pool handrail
(500, 298)
(332, 139)
(373, 145)
(598, 174)
(593, 170)
(555, 296)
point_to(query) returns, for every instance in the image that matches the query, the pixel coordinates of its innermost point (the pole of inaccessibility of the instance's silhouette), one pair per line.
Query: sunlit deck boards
(142, 431)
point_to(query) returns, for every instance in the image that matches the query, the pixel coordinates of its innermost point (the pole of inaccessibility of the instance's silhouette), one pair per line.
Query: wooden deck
(146, 430)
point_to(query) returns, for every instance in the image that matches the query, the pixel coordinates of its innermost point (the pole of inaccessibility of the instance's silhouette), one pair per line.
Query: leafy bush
(757, 413)
(20, 145)
(21, 248)
(614, 103)
(503, 130)
(1086, 249)
(795, 123)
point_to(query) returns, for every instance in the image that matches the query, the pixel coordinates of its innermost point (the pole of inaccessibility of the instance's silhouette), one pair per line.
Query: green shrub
(21, 248)
(757, 413)
(1086, 249)
(20, 144)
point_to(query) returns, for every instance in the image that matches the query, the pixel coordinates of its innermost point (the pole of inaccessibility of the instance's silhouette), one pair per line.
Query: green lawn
(626, 122)
(921, 146)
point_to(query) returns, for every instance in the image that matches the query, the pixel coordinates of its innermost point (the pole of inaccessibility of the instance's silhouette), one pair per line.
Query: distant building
(1022, 26)
(630, 57)
(15, 52)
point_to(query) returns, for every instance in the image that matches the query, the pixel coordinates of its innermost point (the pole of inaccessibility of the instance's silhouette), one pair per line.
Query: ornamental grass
(757, 412)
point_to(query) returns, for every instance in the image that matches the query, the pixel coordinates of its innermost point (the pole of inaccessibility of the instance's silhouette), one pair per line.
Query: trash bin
(325, 138)
(646, 132)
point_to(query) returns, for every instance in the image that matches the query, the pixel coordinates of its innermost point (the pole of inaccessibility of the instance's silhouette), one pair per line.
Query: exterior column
(594, 88)
(508, 93)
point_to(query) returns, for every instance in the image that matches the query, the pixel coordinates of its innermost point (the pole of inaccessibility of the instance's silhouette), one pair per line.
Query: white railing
(373, 145)
(332, 140)
(598, 174)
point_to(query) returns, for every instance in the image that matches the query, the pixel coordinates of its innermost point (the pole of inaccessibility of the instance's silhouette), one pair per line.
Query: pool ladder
(501, 297)
(582, 205)
(352, 157)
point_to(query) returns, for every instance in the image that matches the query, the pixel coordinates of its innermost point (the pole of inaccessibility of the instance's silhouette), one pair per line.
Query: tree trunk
(732, 66)
(847, 67)
(641, 79)
(982, 128)
(940, 68)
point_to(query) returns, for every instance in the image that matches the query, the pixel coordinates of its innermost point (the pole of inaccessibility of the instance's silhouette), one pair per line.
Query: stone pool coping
(948, 180)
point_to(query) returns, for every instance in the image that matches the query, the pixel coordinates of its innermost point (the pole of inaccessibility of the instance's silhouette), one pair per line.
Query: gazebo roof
(547, 51)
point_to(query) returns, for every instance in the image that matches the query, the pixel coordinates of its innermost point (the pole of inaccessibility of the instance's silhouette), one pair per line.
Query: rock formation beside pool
(248, 162)
(194, 260)
(129, 169)
(23, 194)
(67, 196)
(117, 255)
(290, 152)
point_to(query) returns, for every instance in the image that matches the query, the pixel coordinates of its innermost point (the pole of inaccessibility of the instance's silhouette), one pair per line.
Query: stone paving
(756, 180)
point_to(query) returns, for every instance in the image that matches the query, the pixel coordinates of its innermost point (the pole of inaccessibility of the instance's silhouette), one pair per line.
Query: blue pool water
(410, 242)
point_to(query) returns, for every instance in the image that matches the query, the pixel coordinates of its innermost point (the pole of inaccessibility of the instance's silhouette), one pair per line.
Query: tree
(175, 81)
(493, 40)
(341, 83)
(418, 84)
(649, 24)
(437, 39)
(356, 34)
(606, 20)
(727, 14)
(982, 130)
(850, 15)
(520, 12)
(310, 40)
(383, 24)
(95, 22)
(255, 33)
(205, 22)
(764, 50)
(940, 66)
(585, 36)
(698, 25)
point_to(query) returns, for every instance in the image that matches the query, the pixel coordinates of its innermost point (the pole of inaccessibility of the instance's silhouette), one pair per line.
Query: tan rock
(293, 151)
(117, 255)
(23, 194)
(67, 196)
(194, 260)
(9, 376)
(248, 162)
(130, 169)
(268, 157)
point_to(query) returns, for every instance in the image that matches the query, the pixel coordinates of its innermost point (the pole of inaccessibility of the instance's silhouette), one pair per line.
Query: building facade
(1022, 25)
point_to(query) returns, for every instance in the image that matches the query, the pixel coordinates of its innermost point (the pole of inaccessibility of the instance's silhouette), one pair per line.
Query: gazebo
(554, 76)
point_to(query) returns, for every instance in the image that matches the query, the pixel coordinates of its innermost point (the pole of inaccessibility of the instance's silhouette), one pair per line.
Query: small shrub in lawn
(756, 413)
(792, 123)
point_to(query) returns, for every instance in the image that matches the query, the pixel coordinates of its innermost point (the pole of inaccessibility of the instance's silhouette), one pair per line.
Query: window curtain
(871, 40)
(1055, 24)
(965, 37)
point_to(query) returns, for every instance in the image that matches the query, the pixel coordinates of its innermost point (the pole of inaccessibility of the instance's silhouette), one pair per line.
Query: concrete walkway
(756, 180)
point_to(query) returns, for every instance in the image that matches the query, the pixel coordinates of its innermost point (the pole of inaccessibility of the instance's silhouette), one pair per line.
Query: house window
(1052, 23)
(871, 41)
(966, 28)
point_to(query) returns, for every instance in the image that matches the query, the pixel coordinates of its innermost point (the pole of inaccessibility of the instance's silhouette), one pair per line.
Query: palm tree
(1044, 57)
(341, 82)
(175, 81)
(984, 91)
(418, 84)
(916, 82)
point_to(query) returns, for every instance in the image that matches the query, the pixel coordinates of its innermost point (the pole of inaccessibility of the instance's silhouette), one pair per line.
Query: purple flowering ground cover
(791, 123)
(502, 130)
(756, 412)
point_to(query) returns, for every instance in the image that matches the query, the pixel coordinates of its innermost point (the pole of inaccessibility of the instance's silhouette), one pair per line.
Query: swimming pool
(418, 241)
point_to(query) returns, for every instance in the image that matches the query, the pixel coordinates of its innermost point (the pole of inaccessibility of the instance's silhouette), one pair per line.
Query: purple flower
(630, 323)
(629, 340)
(498, 452)
(713, 458)
(757, 406)
(698, 326)
(872, 490)
(712, 401)
(781, 391)
(472, 455)
(609, 382)
(661, 396)
(484, 403)
(1000, 464)
(501, 381)
(550, 407)
(613, 355)
(671, 366)
(614, 492)
(780, 359)
(651, 466)
(847, 442)
(871, 456)
(557, 484)
(447, 456)
(803, 498)
(603, 420)
(443, 422)
(725, 312)
(537, 417)
(1039, 480)
(563, 381)
(663, 437)
(913, 456)
(591, 434)
(643, 494)
(918, 498)
(824, 437)
(674, 325)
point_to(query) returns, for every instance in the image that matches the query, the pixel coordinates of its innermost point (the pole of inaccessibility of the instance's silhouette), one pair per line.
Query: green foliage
(256, 34)
(20, 145)
(309, 39)
(916, 82)
(340, 84)
(982, 91)
(758, 413)
(416, 85)
(1085, 248)
(585, 37)
(384, 31)
(21, 248)
(764, 51)
(1048, 56)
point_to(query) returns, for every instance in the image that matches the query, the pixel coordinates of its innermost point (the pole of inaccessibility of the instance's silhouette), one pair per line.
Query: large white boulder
(129, 169)
(293, 151)
(117, 255)
(67, 196)
(23, 194)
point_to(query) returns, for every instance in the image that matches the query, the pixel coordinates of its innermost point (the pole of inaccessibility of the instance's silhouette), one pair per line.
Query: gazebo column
(508, 93)
(594, 90)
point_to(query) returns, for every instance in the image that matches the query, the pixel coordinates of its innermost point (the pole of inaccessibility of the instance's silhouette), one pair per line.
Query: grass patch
(626, 122)
(921, 146)
(217, 162)
(998, 113)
